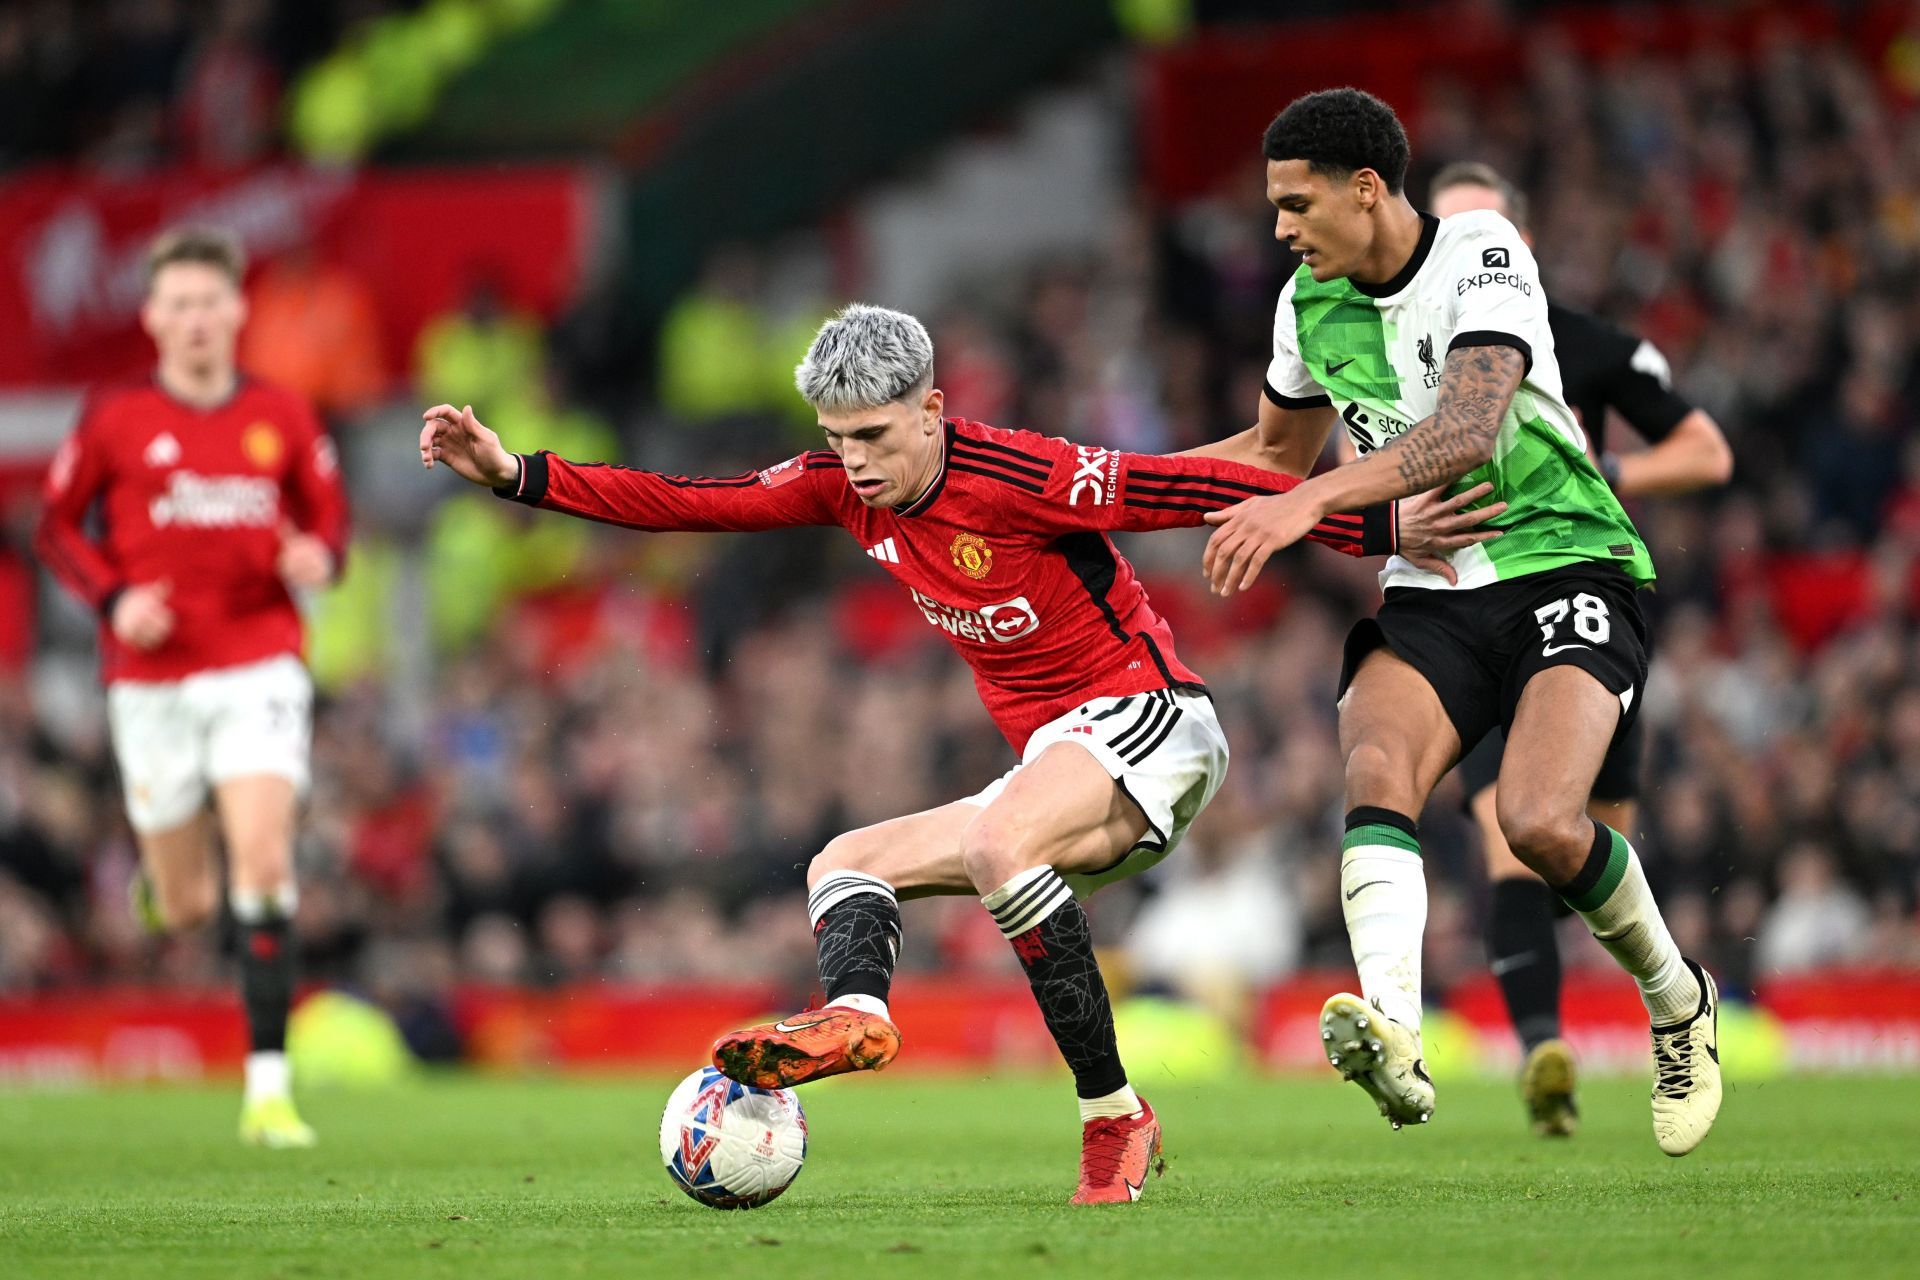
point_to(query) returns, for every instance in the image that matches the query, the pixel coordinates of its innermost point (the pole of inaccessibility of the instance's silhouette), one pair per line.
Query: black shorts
(1479, 648)
(1619, 778)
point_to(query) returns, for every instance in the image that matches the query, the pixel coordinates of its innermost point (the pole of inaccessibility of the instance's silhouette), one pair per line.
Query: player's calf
(856, 939)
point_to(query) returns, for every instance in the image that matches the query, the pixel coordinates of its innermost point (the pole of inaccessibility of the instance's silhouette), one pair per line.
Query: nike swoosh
(1368, 885)
(791, 1027)
(1335, 368)
(1562, 648)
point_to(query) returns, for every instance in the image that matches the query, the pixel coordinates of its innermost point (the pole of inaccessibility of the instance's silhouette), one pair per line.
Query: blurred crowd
(125, 85)
(595, 754)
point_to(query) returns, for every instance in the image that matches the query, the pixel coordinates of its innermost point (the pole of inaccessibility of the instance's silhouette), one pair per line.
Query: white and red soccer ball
(729, 1145)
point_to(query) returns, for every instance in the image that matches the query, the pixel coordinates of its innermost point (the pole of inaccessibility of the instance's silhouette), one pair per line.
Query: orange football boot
(807, 1046)
(1116, 1154)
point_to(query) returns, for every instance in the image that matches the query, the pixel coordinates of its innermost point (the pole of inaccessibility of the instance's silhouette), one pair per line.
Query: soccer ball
(729, 1145)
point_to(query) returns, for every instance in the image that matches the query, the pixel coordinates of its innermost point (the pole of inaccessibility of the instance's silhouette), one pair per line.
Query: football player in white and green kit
(1430, 341)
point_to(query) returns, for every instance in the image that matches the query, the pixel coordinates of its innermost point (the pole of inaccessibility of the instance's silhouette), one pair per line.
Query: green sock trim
(1617, 859)
(1379, 833)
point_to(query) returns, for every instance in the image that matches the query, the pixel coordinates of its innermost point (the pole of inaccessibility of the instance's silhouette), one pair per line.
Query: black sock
(266, 980)
(856, 934)
(1054, 941)
(1524, 955)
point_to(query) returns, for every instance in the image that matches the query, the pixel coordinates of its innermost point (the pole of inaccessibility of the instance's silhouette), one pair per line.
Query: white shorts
(1164, 748)
(175, 739)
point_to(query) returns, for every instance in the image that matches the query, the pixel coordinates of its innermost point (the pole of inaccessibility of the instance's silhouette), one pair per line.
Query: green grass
(473, 1178)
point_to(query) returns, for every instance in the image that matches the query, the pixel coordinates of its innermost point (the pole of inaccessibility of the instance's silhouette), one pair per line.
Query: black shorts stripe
(1149, 709)
(1005, 464)
(1116, 708)
(1154, 744)
(1134, 737)
(1027, 486)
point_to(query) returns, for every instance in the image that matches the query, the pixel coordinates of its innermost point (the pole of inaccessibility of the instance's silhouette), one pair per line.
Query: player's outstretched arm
(1281, 439)
(467, 446)
(796, 492)
(1477, 383)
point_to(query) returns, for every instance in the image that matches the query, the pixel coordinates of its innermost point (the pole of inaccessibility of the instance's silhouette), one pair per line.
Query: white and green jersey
(1375, 351)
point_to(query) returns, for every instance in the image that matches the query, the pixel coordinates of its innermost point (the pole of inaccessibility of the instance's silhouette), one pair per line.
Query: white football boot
(1381, 1056)
(1686, 1073)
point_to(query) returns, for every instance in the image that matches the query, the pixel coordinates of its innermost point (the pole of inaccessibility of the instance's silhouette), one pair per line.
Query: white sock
(1383, 891)
(1121, 1102)
(250, 906)
(268, 1075)
(865, 1004)
(1620, 910)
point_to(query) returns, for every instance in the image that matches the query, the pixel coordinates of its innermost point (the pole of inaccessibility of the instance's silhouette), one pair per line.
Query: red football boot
(807, 1046)
(1116, 1154)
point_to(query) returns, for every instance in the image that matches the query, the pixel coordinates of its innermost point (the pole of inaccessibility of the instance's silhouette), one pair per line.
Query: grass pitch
(475, 1178)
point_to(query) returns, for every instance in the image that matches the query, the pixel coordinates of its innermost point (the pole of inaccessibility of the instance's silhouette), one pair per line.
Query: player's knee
(842, 853)
(1377, 774)
(1540, 828)
(186, 905)
(992, 856)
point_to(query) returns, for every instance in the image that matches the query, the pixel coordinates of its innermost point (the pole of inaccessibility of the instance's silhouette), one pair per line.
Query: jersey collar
(240, 381)
(926, 499)
(1429, 227)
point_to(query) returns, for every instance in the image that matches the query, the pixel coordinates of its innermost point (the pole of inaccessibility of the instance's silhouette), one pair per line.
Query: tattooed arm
(1476, 386)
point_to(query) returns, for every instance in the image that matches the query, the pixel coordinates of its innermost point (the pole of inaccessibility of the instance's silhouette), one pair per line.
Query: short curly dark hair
(1337, 131)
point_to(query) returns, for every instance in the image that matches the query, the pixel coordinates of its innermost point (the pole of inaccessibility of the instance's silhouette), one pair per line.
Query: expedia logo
(216, 502)
(1494, 258)
(1481, 279)
(1002, 623)
(1096, 473)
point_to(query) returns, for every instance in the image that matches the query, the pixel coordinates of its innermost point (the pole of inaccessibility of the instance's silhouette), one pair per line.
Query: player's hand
(1432, 526)
(1250, 532)
(305, 561)
(457, 438)
(141, 618)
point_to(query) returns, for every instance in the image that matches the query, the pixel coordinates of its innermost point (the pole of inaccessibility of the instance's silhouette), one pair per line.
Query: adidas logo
(164, 451)
(884, 552)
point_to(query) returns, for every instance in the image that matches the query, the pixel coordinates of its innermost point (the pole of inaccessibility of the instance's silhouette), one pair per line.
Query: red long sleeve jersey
(197, 498)
(1006, 553)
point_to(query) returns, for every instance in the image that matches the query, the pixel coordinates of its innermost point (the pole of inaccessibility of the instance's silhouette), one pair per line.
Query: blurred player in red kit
(219, 497)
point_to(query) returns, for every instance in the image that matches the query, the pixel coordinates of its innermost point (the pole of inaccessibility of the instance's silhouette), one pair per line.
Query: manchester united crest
(972, 556)
(261, 443)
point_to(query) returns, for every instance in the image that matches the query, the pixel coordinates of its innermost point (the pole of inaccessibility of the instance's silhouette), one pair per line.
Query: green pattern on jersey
(1559, 510)
(1348, 355)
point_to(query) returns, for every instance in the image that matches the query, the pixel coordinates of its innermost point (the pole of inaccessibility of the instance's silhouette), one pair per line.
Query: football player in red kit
(218, 497)
(1000, 539)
